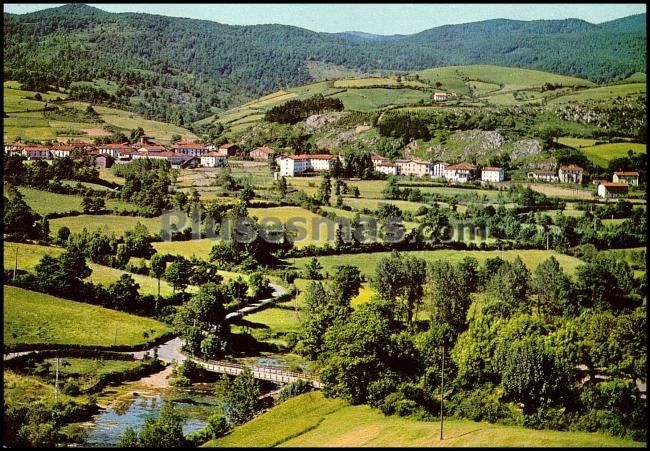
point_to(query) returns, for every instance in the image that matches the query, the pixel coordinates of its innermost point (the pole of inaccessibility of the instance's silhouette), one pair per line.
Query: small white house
(460, 173)
(609, 190)
(491, 174)
(630, 177)
(440, 96)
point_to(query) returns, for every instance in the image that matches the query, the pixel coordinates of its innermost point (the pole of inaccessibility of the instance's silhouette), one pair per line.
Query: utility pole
(16, 262)
(56, 382)
(442, 391)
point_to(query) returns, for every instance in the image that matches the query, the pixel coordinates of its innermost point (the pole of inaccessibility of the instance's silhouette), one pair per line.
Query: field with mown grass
(370, 99)
(106, 224)
(368, 262)
(311, 420)
(37, 318)
(601, 93)
(20, 389)
(197, 248)
(602, 154)
(105, 275)
(28, 254)
(44, 202)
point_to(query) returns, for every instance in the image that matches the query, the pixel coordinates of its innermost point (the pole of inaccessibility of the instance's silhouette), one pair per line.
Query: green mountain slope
(181, 70)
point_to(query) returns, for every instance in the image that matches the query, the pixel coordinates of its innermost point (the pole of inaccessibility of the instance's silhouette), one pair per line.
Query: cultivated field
(313, 420)
(105, 223)
(602, 154)
(28, 254)
(368, 262)
(36, 318)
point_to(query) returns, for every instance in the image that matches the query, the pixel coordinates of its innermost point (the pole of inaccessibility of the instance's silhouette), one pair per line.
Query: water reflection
(109, 425)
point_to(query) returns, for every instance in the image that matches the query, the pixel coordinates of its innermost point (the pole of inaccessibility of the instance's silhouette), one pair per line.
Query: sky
(384, 18)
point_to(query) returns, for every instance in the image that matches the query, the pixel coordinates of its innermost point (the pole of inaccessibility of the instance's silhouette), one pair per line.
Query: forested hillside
(180, 70)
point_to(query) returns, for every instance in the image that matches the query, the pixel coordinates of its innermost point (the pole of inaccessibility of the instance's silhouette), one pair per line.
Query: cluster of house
(291, 165)
(185, 154)
(456, 173)
(619, 185)
(566, 174)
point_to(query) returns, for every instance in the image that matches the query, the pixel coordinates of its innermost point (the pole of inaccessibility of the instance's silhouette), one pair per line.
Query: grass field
(27, 121)
(453, 78)
(31, 317)
(105, 275)
(553, 190)
(370, 99)
(86, 371)
(198, 248)
(601, 93)
(311, 420)
(305, 226)
(106, 223)
(44, 202)
(368, 262)
(28, 254)
(602, 154)
(20, 389)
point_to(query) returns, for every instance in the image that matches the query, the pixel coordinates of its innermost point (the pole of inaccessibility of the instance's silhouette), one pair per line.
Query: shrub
(71, 388)
(293, 389)
(481, 404)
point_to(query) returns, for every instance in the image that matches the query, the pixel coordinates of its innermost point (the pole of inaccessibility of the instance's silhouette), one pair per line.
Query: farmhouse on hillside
(571, 174)
(491, 174)
(440, 96)
(460, 173)
(543, 176)
(609, 190)
(630, 177)
(263, 153)
(297, 164)
(213, 160)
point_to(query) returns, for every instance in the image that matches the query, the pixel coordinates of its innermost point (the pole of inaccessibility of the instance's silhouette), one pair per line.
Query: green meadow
(368, 262)
(37, 318)
(311, 420)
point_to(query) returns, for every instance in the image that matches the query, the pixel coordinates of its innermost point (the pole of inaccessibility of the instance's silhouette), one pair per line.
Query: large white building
(291, 165)
(190, 148)
(414, 167)
(213, 160)
(439, 169)
(460, 173)
(387, 168)
(493, 174)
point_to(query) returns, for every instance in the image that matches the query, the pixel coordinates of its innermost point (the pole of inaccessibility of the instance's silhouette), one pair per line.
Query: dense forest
(180, 69)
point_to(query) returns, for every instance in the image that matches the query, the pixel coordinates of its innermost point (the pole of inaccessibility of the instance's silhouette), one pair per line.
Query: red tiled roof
(492, 169)
(152, 148)
(387, 164)
(571, 167)
(627, 174)
(374, 156)
(462, 166)
(187, 145)
(265, 149)
(160, 154)
(213, 154)
(36, 147)
(622, 187)
(314, 156)
(115, 146)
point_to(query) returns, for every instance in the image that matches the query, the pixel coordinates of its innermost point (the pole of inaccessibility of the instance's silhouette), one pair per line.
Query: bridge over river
(266, 373)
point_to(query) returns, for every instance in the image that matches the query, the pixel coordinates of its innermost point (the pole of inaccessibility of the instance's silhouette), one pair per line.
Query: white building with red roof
(36, 152)
(629, 177)
(213, 160)
(609, 190)
(190, 148)
(291, 165)
(263, 153)
(492, 174)
(460, 173)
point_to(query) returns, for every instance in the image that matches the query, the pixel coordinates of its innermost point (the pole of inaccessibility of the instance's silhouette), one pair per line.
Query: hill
(39, 319)
(312, 420)
(182, 70)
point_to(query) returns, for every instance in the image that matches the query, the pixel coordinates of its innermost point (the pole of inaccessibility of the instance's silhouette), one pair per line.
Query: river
(107, 427)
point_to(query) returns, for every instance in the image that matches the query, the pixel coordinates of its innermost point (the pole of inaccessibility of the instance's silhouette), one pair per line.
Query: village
(185, 154)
